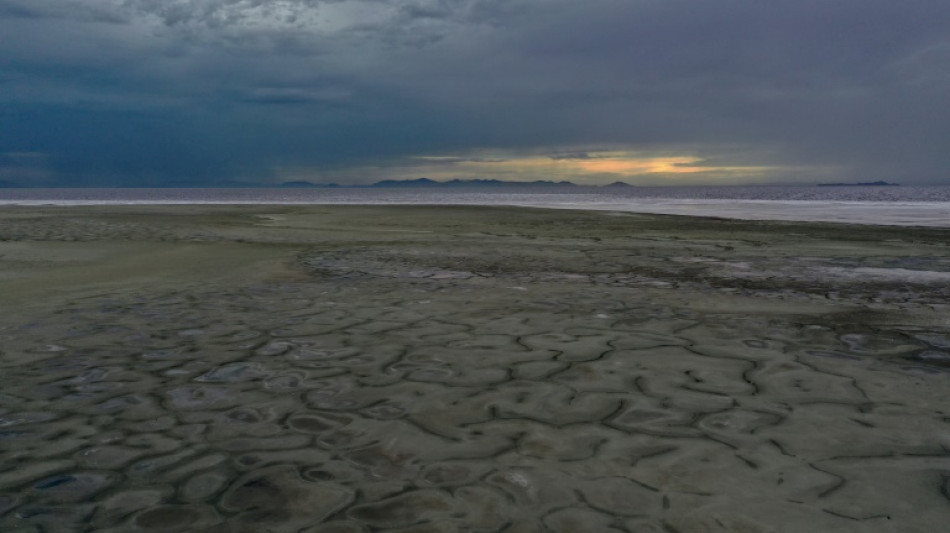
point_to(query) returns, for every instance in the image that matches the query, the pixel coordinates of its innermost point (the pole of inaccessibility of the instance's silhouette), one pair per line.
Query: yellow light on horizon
(637, 166)
(600, 165)
(582, 167)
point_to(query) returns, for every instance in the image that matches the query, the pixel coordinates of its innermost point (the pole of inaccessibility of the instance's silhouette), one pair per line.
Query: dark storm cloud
(14, 9)
(218, 91)
(295, 96)
(92, 11)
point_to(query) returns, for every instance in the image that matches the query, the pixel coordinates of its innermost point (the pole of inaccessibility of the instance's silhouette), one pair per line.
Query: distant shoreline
(456, 183)
(865, 206)
(861, 184)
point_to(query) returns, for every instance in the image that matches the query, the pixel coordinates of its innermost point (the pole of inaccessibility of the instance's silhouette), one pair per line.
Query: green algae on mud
(442, 368)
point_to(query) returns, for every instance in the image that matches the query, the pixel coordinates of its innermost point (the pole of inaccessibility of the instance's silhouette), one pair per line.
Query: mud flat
(347, 369)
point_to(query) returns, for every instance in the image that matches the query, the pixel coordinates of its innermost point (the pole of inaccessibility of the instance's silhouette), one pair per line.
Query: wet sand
(294, 368)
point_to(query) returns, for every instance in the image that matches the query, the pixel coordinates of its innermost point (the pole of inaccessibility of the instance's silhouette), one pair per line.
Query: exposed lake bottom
(468, 369)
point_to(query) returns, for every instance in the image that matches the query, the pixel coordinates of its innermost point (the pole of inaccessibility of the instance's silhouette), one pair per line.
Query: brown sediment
(463, 368)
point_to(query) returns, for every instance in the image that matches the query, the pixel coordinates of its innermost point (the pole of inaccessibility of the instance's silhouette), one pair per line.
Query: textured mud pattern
(385, 390)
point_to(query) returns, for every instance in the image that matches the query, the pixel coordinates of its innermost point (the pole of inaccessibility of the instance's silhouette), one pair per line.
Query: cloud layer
(202, 92)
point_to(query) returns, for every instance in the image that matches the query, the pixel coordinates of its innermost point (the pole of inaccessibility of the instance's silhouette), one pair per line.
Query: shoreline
(906, 214)
(910, 206)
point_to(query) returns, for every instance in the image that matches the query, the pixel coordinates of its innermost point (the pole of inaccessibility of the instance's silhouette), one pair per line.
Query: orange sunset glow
(591, 167)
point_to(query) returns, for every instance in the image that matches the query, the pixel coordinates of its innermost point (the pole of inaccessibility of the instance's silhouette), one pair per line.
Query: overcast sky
(217, 92)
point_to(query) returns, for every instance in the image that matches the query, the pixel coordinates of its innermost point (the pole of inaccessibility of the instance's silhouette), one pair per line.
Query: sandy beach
(424, 368)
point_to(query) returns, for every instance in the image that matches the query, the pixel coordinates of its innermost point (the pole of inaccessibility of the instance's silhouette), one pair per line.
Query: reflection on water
(925, 206)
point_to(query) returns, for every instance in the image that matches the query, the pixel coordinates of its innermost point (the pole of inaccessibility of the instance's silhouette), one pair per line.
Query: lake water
(923, 206)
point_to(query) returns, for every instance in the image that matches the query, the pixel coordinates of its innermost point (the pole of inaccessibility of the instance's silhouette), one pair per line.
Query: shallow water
(512, 381)
(905, 206)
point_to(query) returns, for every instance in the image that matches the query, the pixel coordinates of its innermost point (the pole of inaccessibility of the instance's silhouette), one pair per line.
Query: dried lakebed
(288, 368)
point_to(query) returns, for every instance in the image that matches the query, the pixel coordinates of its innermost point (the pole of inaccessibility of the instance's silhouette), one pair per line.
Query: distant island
(384, 184)
(860, 184)
(307, 184)
(426, 182)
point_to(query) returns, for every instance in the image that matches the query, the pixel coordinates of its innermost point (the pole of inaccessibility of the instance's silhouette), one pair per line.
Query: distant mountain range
(417, 183)
(426, 182)
(307, 184)
(860, 184)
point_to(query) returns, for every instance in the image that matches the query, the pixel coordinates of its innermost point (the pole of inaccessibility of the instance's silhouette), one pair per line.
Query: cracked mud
(347, 369)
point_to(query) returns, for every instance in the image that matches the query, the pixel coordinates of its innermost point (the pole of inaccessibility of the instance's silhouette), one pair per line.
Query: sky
(650, 92)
